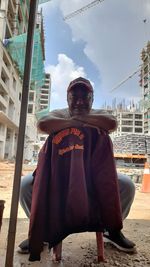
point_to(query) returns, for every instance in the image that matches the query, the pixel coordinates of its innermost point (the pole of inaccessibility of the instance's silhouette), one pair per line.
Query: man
(80, 114)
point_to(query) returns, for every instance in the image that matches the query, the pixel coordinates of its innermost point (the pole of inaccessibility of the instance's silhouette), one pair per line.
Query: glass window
(127, 116)
(127, 122)
(30, 108)
(138, 123)
(138, 130)
(31, 96)
(138, 116)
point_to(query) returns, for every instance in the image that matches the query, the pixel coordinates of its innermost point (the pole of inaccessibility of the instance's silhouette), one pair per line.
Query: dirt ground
(79, 249)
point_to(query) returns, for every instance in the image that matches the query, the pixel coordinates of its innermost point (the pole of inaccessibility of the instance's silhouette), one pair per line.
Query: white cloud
(114, 34)
(61, 74)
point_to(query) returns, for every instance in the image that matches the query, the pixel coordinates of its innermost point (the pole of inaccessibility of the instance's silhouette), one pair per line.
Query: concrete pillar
(3, 143)
(3, 14)
(148, 159)
(11, 151)
(2, 149)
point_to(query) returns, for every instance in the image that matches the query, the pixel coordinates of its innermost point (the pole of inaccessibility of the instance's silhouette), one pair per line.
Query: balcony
(5, 120)
(6, 60)
(6, 70)
(3, 101)
(4, 86)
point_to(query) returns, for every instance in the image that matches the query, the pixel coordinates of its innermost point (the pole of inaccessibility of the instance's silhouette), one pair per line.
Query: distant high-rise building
(45, 92)
(39, 96)
(44, 104)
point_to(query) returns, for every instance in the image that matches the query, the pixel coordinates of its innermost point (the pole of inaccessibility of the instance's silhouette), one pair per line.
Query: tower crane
(126, 79)
(82, 9)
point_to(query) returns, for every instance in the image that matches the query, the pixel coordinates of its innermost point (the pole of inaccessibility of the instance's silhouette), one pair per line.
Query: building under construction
(14, 17)
(13, 21)
(132, 138)
(129, 140)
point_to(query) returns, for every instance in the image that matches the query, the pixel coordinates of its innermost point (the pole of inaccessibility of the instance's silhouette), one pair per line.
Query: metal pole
(21, 135)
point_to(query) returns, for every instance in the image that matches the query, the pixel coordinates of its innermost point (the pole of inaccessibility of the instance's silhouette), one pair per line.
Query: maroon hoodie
(75, 188)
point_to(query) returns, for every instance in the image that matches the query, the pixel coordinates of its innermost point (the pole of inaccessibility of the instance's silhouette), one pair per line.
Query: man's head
(80, 96)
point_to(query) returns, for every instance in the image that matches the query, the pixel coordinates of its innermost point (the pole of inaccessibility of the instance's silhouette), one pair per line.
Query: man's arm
(52, 123)
(57, 121)
(102, 121)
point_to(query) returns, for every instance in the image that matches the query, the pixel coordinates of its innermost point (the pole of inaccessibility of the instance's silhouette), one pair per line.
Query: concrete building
(145, 84)
(31, 137)
(45, 92)
(129, 142)
(13, 21)
(129, 122)
(13, 24)
(44, 101)
(38, 106)
(38, 102)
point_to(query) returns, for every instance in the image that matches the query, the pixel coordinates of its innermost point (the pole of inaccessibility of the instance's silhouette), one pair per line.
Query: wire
(82, 9)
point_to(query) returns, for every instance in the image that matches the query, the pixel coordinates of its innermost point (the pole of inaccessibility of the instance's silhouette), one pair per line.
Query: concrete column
(2, 149)
(11, 145)
(148, 159)
(3, 143)
(3, 14)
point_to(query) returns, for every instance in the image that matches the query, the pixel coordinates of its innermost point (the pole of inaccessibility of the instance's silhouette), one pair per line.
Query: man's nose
(79, 101)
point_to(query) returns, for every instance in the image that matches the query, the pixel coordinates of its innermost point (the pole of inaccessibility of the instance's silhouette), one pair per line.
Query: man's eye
(86, 97)
(75, 98)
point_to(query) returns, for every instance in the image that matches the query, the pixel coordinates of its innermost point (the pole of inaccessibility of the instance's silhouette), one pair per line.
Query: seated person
(80, 114)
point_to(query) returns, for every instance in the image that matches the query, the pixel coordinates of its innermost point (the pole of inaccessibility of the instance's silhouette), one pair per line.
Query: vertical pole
(148, 159)
(21, 135)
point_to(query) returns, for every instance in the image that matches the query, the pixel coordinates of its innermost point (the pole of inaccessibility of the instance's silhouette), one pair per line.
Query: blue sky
(102, 44)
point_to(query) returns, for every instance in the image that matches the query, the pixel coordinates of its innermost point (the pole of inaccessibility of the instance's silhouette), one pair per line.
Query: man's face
(79, 101)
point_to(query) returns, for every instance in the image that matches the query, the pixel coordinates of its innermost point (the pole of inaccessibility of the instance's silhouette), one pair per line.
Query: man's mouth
(80, 108)
(78, 111)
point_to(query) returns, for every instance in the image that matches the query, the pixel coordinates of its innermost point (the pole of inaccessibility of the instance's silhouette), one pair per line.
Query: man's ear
(92, 99)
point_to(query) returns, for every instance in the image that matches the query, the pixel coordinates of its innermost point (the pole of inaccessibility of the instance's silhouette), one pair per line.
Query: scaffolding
(16, 47)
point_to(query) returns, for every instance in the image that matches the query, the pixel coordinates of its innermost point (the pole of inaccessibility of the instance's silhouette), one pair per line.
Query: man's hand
(86, 124)
(107, 123)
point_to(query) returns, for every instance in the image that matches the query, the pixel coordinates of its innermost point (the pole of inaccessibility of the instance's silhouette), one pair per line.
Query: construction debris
(132, 144)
